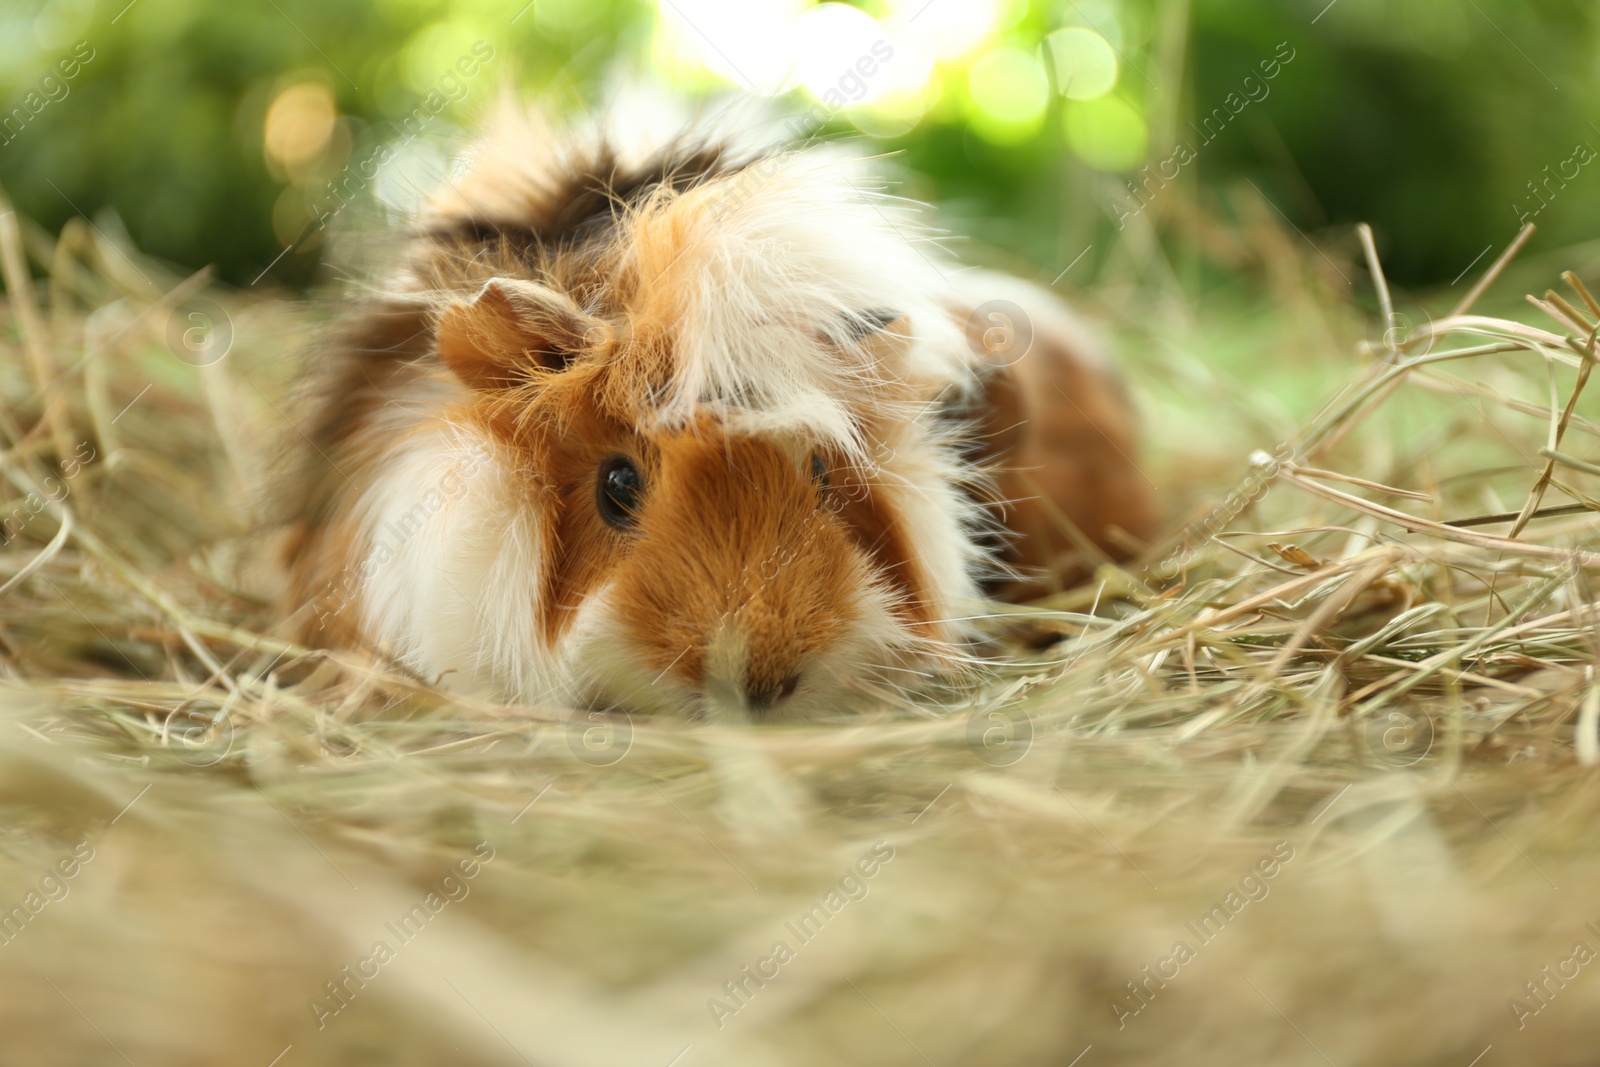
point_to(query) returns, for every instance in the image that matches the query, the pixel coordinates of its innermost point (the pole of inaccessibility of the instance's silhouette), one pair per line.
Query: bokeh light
(1063, 88)
(953, 28)
(299, 126)
(432, 52)
(1107, 133)
(1111, 19)
(1009, 94)
(1085, 63)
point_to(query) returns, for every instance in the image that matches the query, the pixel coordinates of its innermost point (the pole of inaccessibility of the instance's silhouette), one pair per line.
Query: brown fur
(1060, 437)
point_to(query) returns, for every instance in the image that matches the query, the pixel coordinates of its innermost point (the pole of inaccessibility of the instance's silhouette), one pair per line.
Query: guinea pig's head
(742, 506)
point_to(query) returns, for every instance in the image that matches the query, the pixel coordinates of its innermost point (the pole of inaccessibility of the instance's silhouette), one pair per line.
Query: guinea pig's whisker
(657, 679)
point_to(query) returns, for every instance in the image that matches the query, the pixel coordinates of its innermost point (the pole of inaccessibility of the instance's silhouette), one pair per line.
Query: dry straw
(1325, 796)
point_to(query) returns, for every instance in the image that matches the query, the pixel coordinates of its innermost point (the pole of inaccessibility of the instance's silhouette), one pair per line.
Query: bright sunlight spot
(747, 42)
(843, 56)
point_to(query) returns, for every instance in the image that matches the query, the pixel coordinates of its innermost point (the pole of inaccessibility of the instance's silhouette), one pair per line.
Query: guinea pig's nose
(761, 698)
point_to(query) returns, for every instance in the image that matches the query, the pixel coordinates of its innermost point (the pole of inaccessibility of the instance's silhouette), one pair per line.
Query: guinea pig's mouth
(718, 702)
(722, 701)
(826, 691)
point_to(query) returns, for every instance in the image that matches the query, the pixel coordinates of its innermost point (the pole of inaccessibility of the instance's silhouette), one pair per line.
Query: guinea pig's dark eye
(620, 491)
(819, 473)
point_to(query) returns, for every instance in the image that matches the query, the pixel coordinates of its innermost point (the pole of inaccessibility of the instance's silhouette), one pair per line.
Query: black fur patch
(584, 202)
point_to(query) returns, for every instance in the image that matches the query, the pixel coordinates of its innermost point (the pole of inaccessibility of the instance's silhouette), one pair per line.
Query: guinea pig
(693, 428)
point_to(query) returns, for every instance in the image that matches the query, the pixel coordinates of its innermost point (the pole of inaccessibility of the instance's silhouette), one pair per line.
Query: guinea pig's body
(685, 429)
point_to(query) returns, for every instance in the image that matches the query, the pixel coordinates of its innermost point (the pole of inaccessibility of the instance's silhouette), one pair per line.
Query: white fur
(450, 570)
(782, 254)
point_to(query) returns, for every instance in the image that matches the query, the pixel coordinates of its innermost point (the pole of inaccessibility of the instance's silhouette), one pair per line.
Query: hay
(1337, 740)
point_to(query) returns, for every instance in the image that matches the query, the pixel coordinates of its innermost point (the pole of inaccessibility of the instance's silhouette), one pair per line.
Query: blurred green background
(226, 133)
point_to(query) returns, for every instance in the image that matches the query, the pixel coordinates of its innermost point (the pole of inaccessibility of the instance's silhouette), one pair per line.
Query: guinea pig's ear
(513, 327)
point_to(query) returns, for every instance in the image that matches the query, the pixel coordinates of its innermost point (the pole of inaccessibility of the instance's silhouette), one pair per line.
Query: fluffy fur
(733, 321)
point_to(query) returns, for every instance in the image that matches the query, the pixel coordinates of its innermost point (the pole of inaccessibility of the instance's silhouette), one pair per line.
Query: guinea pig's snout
(760, 697)
(753, 670)
(743, 589)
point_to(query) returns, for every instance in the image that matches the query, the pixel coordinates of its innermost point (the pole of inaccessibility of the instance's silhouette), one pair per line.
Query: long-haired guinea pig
(686, 427)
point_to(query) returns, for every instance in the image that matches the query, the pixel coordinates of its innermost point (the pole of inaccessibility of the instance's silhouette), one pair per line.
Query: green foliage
(1429, 120)
(1441, 123)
